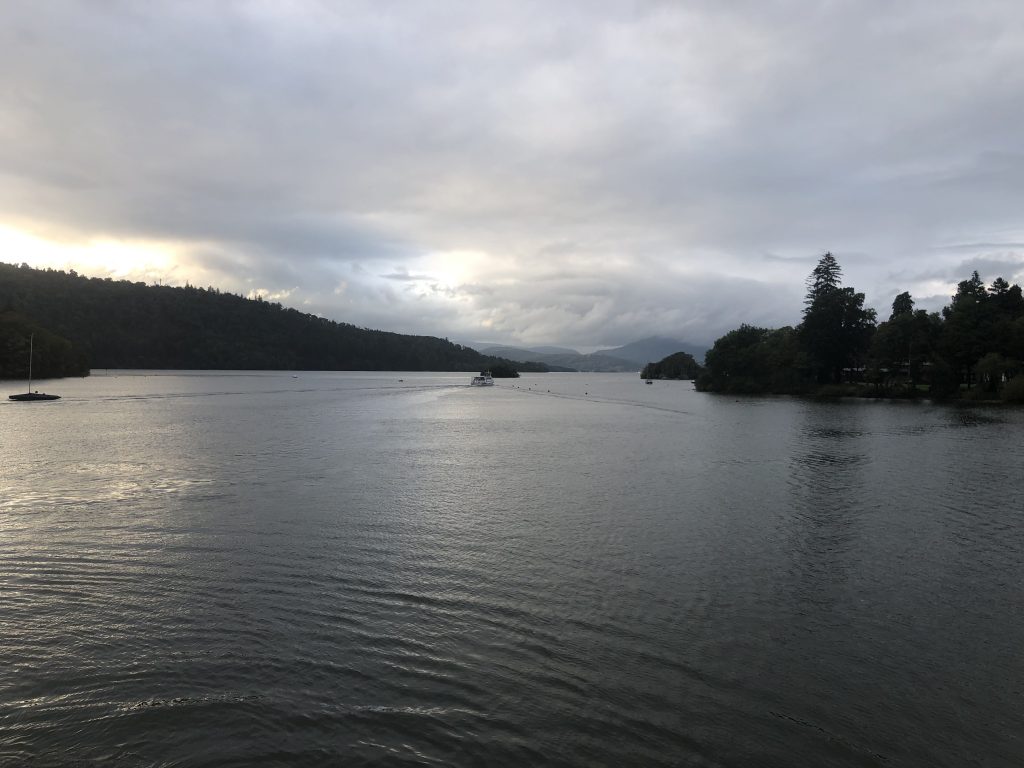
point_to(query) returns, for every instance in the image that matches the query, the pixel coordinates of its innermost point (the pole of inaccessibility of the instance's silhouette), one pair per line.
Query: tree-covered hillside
(119, 324)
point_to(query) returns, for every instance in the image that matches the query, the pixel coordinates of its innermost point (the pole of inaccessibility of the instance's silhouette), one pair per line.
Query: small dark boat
(30, 396)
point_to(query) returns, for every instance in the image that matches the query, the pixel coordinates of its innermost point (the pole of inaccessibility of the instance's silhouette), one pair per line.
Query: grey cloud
(989, 268)
(403, 275)
(1016, 246)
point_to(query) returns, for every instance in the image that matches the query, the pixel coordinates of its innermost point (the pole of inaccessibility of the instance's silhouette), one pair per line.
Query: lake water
(567, 569)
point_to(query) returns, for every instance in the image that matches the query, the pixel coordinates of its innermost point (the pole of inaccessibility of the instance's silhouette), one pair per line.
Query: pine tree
(824, 279)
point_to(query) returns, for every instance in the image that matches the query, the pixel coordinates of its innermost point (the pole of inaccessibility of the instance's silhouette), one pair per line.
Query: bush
(838, 390)
(945, 380)
(1013, 390)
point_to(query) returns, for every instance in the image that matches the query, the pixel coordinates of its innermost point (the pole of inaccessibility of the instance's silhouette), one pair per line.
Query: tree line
(973, 348)
(81, 323)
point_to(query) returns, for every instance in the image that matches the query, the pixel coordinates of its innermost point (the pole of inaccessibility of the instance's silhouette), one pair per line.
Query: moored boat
(30, 396)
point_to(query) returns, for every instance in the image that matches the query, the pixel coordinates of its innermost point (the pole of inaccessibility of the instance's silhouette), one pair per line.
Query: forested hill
(85, 322)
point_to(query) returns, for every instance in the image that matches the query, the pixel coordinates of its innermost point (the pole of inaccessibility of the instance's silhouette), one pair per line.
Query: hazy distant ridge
(629, 357)
(652, 349)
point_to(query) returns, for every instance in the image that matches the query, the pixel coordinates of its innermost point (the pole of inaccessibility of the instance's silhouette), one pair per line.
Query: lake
(257, 569)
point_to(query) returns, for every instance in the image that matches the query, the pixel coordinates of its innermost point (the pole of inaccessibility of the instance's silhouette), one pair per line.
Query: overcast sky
(582, 173)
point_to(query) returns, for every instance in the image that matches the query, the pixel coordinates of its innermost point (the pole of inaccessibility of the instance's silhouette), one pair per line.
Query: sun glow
(123, 259)
(454, 268)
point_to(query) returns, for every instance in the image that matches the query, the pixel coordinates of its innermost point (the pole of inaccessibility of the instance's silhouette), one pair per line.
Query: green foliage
(119, 324)
(676, 366)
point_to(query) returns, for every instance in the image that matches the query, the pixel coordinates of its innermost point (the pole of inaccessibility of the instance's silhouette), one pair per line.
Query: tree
(903, 345)
(837, 329)
(993, 369)
(751, 359)
(824, 279)
(969, 290)
(999, 287)
(902, 305)
(967, 327)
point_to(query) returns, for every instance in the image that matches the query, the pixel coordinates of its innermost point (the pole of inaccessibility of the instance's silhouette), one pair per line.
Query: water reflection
(826, 476)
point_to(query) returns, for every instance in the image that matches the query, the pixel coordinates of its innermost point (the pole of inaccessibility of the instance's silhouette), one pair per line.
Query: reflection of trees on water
(826, 477)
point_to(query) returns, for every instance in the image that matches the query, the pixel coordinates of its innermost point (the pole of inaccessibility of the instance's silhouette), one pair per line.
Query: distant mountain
(487, 349)
(565, 361)
(629, 357)
(653, 349)
(519, 355)
(509, 353)
(555, 350)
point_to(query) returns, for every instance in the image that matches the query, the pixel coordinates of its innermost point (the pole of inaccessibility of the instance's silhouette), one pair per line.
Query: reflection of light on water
(92, 484)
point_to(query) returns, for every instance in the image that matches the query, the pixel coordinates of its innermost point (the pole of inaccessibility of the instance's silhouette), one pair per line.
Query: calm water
(570, 569)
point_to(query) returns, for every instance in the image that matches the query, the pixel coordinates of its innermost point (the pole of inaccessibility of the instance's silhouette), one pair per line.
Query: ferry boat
(483, 380)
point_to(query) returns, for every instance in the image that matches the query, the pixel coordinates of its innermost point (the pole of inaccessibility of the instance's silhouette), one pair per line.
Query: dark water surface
(345, 569)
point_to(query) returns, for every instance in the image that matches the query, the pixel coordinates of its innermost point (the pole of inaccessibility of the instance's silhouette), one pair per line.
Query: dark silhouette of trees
(824, 279)
(678, 365)
(902, 346)
(836, 330)
(504, 371)
(903, 304)
(973, 348)
(751, 360)
(964, 333)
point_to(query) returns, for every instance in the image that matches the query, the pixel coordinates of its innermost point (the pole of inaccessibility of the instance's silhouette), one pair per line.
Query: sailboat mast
(31, 337)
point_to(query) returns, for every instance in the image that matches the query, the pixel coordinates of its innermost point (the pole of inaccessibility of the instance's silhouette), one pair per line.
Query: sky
(582, 172)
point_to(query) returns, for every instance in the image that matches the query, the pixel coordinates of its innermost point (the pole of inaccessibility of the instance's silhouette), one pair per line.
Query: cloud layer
(582, 173)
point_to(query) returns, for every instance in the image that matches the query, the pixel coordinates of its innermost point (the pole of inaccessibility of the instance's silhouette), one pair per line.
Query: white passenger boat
(483, 380)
